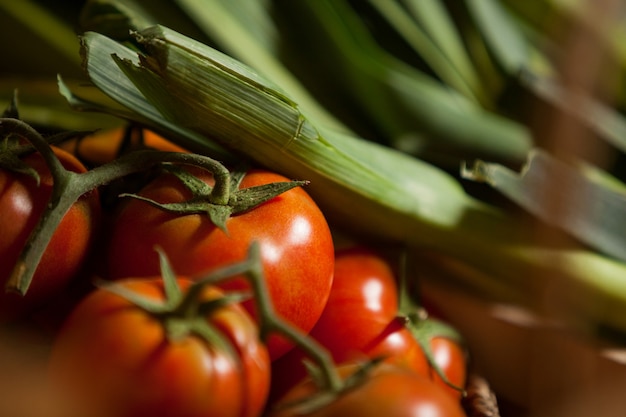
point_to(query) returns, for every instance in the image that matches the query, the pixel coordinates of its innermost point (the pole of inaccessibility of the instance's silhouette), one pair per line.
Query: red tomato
(359, 321)
(362, 303)
(398, 346)
(389, 391)
(450, 355)
(296, 246)
(21, 204)
(114, 358)
(451, 358)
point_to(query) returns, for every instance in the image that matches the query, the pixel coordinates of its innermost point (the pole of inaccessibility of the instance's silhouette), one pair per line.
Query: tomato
(447, 349)
(21, 204)
(295, 240)
(114, 358)
(104, 145)
(451, 358)
(390, 391)
(362, 303)
(397, 345)
(359, 321)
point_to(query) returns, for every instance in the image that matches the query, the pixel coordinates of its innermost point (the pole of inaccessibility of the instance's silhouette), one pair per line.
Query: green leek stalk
(365, 187)
(417, 113)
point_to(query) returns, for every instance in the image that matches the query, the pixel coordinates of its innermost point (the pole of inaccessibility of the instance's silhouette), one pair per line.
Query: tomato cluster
(144, 327)
(363, 321)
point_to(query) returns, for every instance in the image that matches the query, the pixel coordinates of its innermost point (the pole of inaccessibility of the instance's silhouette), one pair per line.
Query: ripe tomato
(104, 145)
(451, 358)
(390, 391)
(21, 204)
(398, 346)
(362, 303)
(359, 321)
(447, 349)
(296, 245)
(113, 357)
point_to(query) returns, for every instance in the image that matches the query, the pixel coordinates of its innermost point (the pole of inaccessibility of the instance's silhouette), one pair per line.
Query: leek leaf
(396, 197)
(565, 197)
(605, 121)
(244, 29)
(417, 113)
(427, 48)
(135, 105)
(435, 20)
(499, 29)
(40, 104)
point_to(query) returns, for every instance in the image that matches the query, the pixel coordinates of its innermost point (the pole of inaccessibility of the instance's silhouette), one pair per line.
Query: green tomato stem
(62, 197)
(69, 186)
(270, 322)
(406, 303)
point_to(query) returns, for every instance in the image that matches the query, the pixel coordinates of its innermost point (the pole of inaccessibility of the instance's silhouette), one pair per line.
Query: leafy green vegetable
(594, 213)
(398, 198)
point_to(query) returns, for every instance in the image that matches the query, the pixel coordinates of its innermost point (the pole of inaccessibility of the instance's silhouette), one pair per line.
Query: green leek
(368, 188)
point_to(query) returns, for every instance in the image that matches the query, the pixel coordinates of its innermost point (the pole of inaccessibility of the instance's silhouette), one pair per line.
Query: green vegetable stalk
(174, 81)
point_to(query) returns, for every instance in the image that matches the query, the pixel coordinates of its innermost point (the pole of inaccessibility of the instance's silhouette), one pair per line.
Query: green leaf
(563, 196)
(501, 33)
(244, 29)
(607, 122)
(100, 67)
(118, 18)
(437, 22)
(427, 48)
(40, 103)
(53, 44)
(415, 112)
(398, 198)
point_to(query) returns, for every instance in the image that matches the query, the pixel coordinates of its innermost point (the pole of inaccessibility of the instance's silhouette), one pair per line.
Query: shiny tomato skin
(389, 391)
(394, 345)
(362, 303)
(295, 239)
(112, 357)
(397, 345)
(359, 321)
(21, 204)
(451, 357)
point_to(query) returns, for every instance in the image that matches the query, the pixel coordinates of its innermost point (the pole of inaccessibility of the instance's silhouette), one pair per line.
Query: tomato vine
(68, 186)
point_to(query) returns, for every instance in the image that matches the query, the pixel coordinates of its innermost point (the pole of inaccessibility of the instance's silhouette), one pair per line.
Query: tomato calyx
(68, 186)
(221, 201)
(12, 151)
(181, 313)
(10, 160)
(424, 329)
(12, 110)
